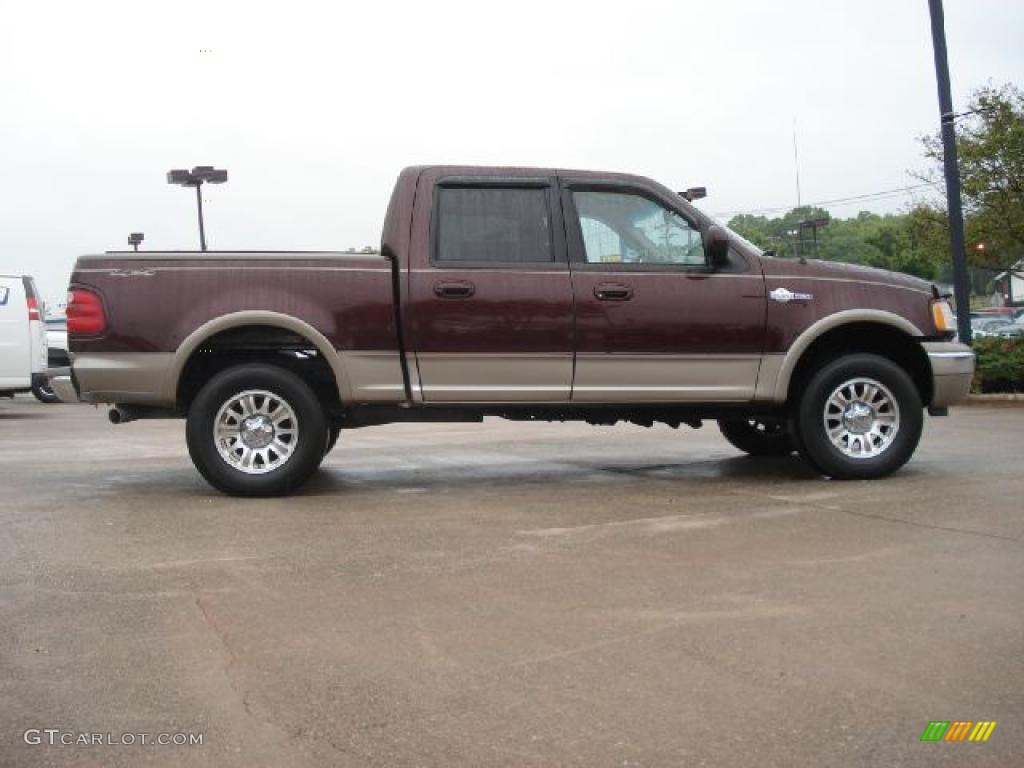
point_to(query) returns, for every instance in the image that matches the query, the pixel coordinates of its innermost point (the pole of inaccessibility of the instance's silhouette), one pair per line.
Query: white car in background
(58, 356)
(23, 348)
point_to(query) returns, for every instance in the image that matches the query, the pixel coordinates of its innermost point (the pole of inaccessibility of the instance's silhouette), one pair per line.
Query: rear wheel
(859, 417)
(256, 430)
(758, 437)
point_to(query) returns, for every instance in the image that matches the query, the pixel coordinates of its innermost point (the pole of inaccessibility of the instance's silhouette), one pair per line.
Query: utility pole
(202, 229)
(796, 166)
(961, 281)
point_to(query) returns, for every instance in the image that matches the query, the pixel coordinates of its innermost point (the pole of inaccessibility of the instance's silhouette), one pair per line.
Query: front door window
(625, 228)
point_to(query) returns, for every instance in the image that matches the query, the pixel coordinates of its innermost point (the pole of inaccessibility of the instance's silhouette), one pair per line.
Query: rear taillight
(33, 308)
(85, 312)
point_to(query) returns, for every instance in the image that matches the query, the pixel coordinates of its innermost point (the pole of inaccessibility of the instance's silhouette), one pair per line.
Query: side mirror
(716, 246)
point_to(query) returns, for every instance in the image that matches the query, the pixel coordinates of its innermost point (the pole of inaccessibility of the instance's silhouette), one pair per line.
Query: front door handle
(613, 292)
(454, 289)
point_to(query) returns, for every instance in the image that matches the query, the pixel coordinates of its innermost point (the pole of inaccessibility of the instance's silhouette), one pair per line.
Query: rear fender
(254, 317)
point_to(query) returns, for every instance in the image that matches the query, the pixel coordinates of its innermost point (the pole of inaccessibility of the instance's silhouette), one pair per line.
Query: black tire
(892, 447)
(332, 437)
(758, 437)
(45, 394)
(309, 438)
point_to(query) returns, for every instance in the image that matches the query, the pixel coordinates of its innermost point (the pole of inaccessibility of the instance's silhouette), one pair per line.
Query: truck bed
(341, 302)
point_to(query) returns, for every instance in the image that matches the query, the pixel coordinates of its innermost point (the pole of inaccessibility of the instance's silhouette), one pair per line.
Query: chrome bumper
(952, 372)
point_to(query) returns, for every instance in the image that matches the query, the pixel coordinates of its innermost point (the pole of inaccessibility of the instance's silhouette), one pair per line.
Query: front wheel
(859, 417)
(256, 430)
(758, 437)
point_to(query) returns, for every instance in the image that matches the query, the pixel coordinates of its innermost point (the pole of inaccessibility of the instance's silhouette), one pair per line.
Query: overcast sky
(315, 107)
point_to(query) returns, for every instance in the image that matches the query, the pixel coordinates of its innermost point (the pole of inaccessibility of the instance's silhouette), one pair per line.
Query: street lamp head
(197, 176)
(209, 174)
(181, 176)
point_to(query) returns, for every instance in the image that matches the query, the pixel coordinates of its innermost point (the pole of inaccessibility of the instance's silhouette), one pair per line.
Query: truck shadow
(335, 478)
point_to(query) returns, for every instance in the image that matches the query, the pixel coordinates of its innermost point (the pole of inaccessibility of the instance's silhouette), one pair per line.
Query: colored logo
(958, 730)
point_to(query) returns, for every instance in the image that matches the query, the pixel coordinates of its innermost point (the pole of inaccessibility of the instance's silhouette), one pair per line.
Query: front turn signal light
(942, 316)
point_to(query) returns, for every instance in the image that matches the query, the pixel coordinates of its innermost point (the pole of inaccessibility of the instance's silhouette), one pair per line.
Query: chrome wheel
(256, 431)
(861, 418)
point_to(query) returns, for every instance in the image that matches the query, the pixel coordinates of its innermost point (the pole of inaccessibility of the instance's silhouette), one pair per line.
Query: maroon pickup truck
(523, 293)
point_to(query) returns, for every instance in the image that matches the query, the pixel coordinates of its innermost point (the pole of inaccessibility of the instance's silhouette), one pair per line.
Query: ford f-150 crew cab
(524, 293)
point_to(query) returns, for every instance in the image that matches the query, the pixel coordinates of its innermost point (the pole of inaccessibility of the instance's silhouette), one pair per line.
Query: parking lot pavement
(509, 594)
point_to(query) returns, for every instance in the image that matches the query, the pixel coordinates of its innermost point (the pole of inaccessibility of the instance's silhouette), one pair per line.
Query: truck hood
(815, 268)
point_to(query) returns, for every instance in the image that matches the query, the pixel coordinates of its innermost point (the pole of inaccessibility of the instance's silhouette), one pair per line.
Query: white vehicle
(57, 353)
(23, 350)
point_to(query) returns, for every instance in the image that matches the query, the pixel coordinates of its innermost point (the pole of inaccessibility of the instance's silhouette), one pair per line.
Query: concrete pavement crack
(884, 518)
(933, 526)
(290, 732)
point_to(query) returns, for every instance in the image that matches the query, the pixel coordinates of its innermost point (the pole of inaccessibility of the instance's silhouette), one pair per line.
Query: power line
(870, 196)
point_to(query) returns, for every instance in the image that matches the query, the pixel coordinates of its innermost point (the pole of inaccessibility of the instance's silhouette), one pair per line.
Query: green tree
(901, 242)
(990, 147)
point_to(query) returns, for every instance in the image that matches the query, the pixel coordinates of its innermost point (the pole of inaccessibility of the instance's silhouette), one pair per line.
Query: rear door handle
(454, 289)
(613, 292)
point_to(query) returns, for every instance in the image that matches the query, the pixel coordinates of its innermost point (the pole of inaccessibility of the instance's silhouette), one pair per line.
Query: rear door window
(493, 225)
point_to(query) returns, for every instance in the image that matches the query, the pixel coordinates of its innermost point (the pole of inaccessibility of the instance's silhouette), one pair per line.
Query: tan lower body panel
(376, 376)
(122, 377)
(768, 378)
(373, 377)
(665, 378)
(473, 378)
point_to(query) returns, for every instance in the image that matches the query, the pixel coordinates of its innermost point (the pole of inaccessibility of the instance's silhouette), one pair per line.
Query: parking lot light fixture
(196, 178)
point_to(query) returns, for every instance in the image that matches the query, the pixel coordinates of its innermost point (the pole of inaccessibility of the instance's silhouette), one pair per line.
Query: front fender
(789, 361)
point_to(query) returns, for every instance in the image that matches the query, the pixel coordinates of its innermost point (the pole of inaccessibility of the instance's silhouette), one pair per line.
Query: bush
(1000, 365)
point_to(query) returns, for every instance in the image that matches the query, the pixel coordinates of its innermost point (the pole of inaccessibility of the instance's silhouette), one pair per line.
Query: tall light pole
(195, 178)
(961, 281)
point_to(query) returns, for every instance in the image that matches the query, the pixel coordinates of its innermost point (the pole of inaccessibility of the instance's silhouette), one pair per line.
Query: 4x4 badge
(784, 296)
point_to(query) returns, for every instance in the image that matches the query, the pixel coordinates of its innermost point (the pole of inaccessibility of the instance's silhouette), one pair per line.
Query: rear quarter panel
(157, 302)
